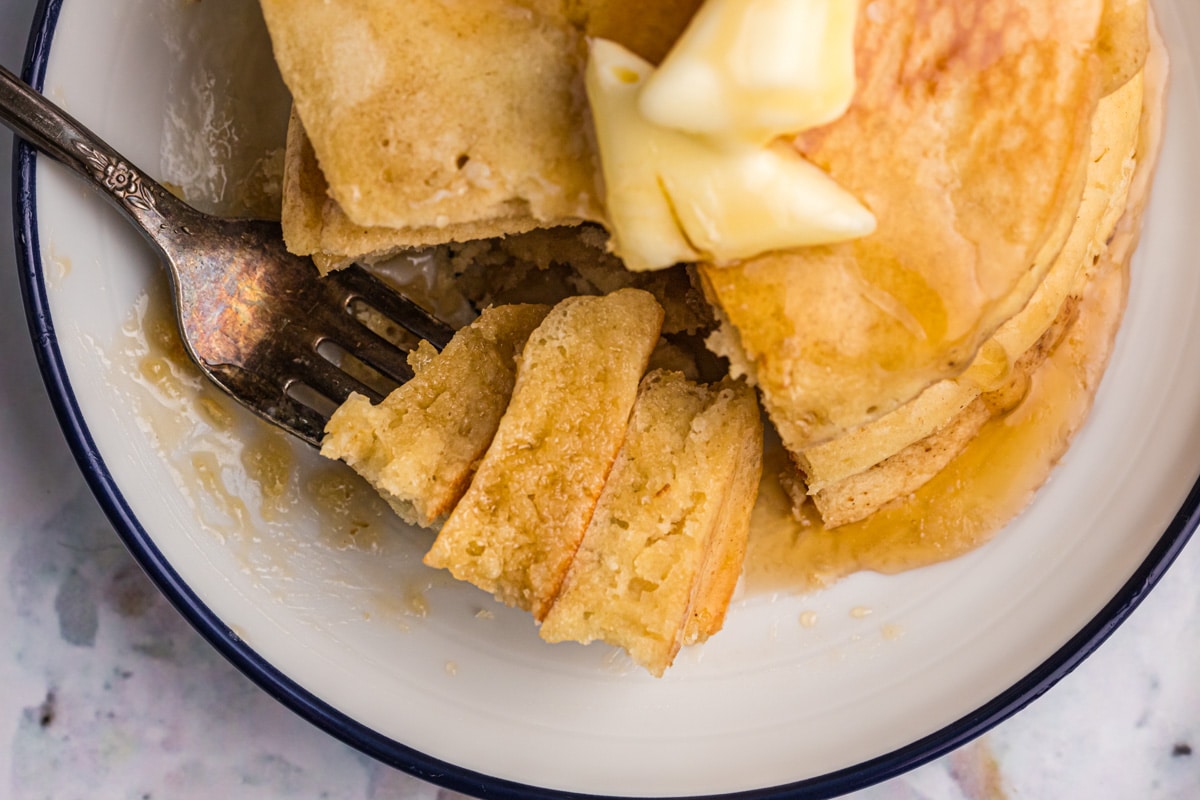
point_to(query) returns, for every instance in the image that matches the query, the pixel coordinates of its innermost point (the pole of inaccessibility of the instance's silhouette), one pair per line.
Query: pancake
(996, 143)
(398, 139)
(1110, 169)
(661, 556)
(967, 139)
(856, 497)
(997, 474)
(1122, 156)
(516, 530)
(315, 225)
(420, 446)
(1124, 43)
(398, 100)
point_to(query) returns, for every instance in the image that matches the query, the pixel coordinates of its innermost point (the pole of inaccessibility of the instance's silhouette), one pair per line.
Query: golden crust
(516, 529)
(858, 496)
(400, 103)
(968, 139)
(413, 149)
(723, 565)
(314, 224)
(829, 466)
(1113, 207)
(1124, 43)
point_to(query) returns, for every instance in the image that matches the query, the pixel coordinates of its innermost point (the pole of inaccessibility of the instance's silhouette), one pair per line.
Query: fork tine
(362, 285)
(250, 313)
(304, 421)
(313, 370)
(272, 403)
(373, 350)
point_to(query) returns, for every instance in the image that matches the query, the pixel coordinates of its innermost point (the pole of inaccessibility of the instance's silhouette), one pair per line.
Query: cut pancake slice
(420, 445)
(1110, 170)
(404, 136)
(315, 225)
(967, 138)
(520, 522)
(664, 549)
(426, 114)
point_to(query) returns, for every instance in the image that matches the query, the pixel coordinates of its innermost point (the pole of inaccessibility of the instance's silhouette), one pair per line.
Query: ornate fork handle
(160, 215)
(253, 316)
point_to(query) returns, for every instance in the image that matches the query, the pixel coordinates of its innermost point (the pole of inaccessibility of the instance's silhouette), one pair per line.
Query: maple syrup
(965, 504)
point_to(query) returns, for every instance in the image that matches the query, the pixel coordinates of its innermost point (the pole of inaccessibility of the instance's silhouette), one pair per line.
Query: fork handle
(51, 130)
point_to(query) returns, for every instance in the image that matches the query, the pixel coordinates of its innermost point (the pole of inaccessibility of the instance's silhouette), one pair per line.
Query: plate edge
(395, 754)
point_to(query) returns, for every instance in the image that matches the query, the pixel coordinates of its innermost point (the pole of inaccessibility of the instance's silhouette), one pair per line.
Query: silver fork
(252, 316)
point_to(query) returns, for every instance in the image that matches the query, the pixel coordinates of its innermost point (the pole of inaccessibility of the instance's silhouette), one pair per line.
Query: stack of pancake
(995, 141)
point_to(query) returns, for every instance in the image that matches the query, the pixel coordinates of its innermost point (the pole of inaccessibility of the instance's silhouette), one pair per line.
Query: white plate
(336, 626)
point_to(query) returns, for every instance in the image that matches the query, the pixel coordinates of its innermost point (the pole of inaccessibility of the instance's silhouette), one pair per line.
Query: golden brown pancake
(420, 123)
(420, 446)
(1124, 41)
(980, 139)
(664, 548)
(858, 496)
(400, 101)
(315, 225)
(829, 466)
(968, 140)
(520, 522)
(996, 475)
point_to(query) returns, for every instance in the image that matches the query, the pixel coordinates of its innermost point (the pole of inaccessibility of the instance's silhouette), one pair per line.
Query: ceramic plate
(319, 596)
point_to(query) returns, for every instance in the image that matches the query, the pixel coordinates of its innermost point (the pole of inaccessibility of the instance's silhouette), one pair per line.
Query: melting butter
(672, 197)
(754, 70)
(640, 219)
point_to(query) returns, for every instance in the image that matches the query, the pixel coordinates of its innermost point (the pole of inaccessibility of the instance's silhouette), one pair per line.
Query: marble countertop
(105, 691)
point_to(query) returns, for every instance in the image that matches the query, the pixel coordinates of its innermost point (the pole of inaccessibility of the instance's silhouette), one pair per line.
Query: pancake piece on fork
(516, 529)
(419, 447)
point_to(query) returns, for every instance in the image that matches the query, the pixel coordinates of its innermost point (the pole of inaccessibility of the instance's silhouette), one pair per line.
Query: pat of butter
(641, 222)
(674, 197)
(754, 70)
(739, 202)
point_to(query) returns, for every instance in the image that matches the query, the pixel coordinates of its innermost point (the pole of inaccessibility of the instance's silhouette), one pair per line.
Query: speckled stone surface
(106, 692)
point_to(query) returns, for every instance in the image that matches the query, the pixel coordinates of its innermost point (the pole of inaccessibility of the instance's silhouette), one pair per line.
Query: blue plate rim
(396, 754)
